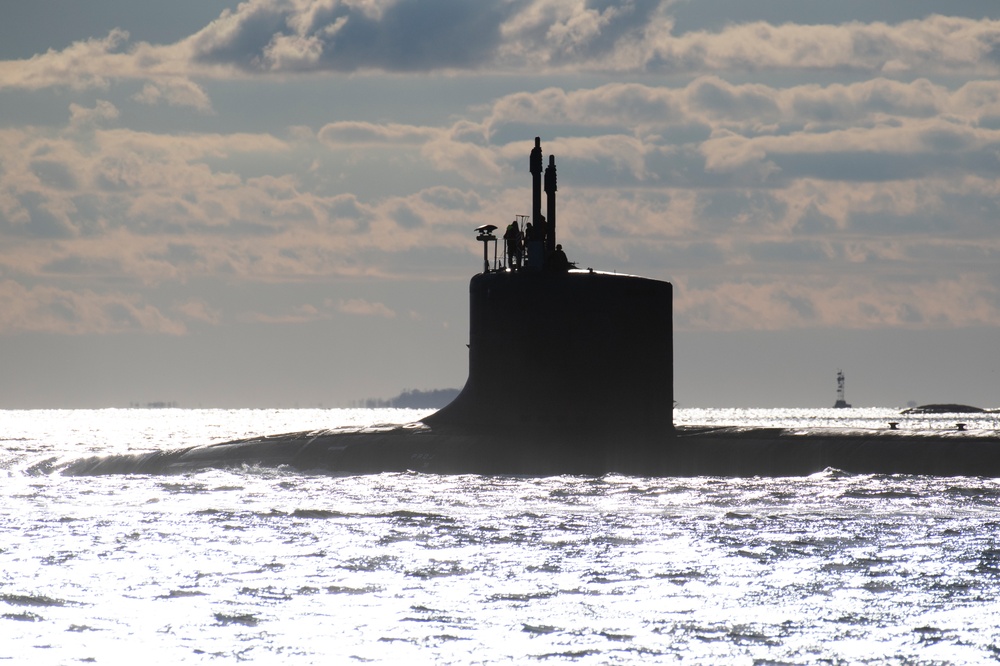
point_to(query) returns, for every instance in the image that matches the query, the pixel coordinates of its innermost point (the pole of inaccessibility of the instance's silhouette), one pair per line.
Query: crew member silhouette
(557, 261)
(512, 241)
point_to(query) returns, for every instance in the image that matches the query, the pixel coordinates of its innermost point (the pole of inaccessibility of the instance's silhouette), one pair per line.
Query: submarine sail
(575, 350)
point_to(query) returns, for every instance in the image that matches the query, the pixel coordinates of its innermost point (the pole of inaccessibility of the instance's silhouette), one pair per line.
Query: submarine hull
(414, 447)
(686, 452)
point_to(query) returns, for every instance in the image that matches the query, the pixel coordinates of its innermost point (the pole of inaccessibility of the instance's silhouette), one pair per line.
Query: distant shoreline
(412, 399)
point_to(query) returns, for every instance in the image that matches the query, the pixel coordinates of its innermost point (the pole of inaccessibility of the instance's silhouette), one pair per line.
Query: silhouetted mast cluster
(544, 229)
(532, 246)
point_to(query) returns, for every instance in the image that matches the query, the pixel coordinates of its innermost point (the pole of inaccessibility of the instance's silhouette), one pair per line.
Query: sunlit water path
(276, 566)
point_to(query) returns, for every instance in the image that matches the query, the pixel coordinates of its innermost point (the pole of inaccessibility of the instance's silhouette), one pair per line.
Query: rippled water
(274, 566)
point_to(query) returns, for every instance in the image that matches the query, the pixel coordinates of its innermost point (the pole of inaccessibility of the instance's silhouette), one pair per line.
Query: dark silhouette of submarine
(571, 372)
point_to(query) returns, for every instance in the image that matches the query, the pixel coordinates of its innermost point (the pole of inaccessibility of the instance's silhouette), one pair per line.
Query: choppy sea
(276, 566)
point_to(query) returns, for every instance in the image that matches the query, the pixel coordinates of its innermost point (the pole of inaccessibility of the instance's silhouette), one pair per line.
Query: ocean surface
(276, 566)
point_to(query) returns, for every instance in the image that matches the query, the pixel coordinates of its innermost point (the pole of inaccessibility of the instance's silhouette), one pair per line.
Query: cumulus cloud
(175, 92)
(198, 310)
(296, 35)
(749, 108)
(86, 64)
(775, 304)
(359, 306)
(404, 36)
(266, 37)
(935, 43)
(355, 133)
(82, 117)
(902, 150)
(46, 309)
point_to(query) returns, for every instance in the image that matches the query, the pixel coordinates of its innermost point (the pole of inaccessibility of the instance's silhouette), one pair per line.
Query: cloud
(268, 37)
(175, 92)
(302, 314)
(36, 214)
(407, 218)
(749, 108)
(446, 149)
(86, 64)
(402, 36)
(155, 207)
(82, 117)
(54, 174)
(623, 105)
(199, 310)
(552, 35)
(935, 43)
(353, 133)
(901, 150)
(752, 197)
(45, 309)
(817, 302)
(361, 307)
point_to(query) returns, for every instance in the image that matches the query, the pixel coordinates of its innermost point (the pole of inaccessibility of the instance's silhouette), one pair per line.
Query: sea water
(276, 566)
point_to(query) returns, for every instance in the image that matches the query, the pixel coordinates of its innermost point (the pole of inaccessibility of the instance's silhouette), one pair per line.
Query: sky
(271, 203)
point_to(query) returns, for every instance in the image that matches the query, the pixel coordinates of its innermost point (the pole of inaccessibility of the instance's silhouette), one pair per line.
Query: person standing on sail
(512, 241)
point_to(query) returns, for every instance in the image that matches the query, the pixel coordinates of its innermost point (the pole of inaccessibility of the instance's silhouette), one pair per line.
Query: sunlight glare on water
(865, 417)
(271, 565)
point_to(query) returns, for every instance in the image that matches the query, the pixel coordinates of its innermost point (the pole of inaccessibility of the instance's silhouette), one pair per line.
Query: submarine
(571, 372)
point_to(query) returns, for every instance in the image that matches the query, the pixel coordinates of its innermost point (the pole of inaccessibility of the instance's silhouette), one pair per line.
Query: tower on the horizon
(841, 402)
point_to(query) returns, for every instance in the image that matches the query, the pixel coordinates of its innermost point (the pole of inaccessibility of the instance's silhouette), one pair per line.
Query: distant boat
(945, 409)
(841, 403)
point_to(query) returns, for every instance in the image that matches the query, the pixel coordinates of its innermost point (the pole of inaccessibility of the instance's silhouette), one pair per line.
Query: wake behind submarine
(571, 372)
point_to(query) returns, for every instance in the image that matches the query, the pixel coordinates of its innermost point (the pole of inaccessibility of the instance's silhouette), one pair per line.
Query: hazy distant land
(412, 399)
